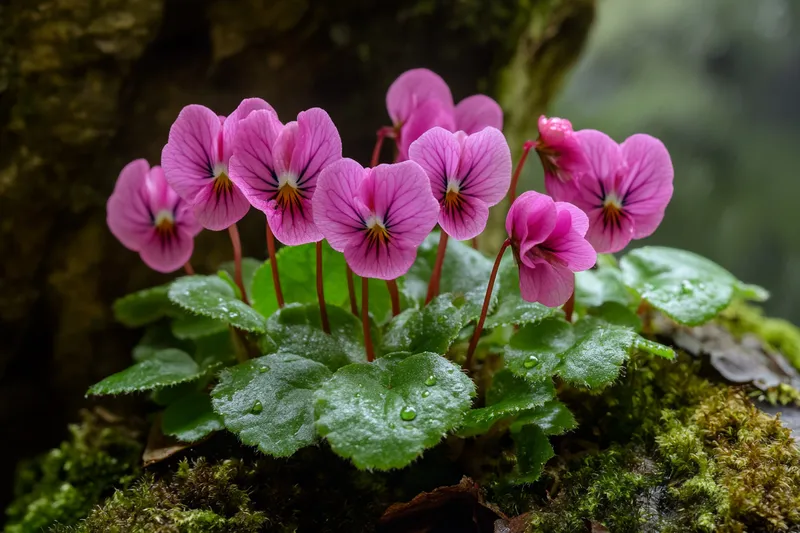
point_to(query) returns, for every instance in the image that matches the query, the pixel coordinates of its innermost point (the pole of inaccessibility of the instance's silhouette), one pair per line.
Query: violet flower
(148, 217)
(561, 155)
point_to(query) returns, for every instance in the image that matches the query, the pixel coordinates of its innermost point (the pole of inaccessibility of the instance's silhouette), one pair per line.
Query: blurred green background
(719, 82)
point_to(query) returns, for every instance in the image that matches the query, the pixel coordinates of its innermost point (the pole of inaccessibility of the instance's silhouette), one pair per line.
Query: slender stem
(273, 262)
(382, 133)
(433, 284)
(323, 311)
(475, 242)
(365, 319)
(512, 191)
(233, 231)
(187, 267)
(391, 284)
(351, 289)
(479, 328)
(569, 307)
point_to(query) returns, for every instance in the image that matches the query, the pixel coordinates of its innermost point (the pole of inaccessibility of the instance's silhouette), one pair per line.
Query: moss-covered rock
(779, 334)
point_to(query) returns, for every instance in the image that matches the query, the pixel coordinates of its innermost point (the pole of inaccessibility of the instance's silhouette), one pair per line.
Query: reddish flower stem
(569, 307)
(382, 133)
(365, 320)
(512, 191)
(273, 263)
(479, 328)
(436, 275)
(351, 289)
(233, 231)
(187, 267)
(475, 242)
(323, 311)
(391, 284)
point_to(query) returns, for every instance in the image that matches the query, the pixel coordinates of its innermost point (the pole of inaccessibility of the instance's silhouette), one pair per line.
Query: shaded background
(719, 82)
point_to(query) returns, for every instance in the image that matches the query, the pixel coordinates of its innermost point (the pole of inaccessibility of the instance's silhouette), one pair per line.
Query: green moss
(63, 485)
(779, 334)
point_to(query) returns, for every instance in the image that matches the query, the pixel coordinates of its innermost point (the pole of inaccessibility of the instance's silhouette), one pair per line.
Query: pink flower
(277, 166)
(376, 216)
(625, 190)
(148, 217)
(195, 161)
(562, 157)
(547, 238)
(468, 175)
(419, 100)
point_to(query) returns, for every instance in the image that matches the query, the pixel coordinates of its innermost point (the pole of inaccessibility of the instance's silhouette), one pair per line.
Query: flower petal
(369, 259)
(485, 170)
(400, 195)
(606, 166)
(337, 211)
(231, 124)
(293, 224)
(609, 236)
(578, 219)
(167, 253)
(530, 220)
(318, 145)
(466, 220)
(427, 115)
(647, 187)
(438, 152)
(190, 154)
(413, 87)
(216, 210)
(545, 283)
(477, 112)
(567, 243)
(128, 208)
(252, 167)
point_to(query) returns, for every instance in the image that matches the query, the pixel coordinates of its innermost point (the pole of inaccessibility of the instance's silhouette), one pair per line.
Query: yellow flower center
(164, 222)
(453, 198)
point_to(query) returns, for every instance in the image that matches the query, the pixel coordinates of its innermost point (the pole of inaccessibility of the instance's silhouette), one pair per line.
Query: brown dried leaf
(160, 447)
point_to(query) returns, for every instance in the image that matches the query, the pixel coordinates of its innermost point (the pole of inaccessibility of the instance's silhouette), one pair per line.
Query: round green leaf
(146, 306)
(212, 297)
(511, 308)
(598, 353)
(595, 287)
(688, 288)
(190, 418)
(297, 329)
(162, 369)
(534, 351)
(268, 402)
(553, 418)
(196, 326)
(383, 416)
(249, 268)
(431, 329)
(533, 451)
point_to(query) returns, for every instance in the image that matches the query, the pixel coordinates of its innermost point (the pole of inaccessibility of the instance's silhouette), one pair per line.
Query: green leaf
(298, 275)
(553, 418)
(212, 297)
(143, 307)
(384, 415)
(228, 278)
(511, 308)
(688, 288)
(380, 302)
(747, 291)
(249, 268)
(598, 353)
(595, 287)
(534, 352)
(297, 329)
(617, 314)
(215, 350)
(197, 326)
(654, 348)
(158, 337)
(508, 397)
(533, 451)
(191, 418)
(268, 402)
(431, 329)
(165, 368)
(465, 273)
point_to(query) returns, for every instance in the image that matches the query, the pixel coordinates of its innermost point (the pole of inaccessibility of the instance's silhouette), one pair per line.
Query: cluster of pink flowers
(453, 164)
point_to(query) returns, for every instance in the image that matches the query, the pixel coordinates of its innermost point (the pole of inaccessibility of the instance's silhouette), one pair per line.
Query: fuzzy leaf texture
(553, 418)
(533, 451)
(143, 307)
(383, 415)
(268, 402)
(212, 297)
(688, 288)
(511, 308)
(163, 369)
(600, 348)
(191, 418)
(534, 352)
(431, 329)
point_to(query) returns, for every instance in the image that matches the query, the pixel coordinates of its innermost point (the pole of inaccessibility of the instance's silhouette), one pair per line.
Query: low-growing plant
(297, 349)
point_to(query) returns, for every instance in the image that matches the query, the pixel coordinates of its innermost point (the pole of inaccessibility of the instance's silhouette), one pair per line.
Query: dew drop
(686, 287)
(426, 393)
(358, 395)
(257, 407)
(392, 425)
(431, 381)
(531, 361)
(264, 369)
(408, 413)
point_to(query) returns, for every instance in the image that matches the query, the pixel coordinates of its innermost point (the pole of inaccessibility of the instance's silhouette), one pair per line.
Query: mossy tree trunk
(87, 85)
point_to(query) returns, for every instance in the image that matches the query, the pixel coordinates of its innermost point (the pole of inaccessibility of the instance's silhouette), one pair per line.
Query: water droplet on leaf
(358, 395)
(426, 393)
(257, 407)
(263, 369)
(531, 361)
(408, 413)
(431, 381)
